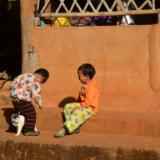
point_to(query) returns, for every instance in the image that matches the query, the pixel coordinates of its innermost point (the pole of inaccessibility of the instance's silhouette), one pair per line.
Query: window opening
(97, 12)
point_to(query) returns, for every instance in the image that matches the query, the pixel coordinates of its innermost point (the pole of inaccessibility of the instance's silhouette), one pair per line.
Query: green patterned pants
(75, 115)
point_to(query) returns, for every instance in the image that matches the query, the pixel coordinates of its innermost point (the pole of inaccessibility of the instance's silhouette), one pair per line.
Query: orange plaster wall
(123, 57)
(127, 60)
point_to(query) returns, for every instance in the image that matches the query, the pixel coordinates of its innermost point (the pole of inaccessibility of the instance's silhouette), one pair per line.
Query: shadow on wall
(7, 112)
(65, 101)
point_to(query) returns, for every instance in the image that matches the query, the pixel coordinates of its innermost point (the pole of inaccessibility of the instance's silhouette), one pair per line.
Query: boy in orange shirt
(79, 112)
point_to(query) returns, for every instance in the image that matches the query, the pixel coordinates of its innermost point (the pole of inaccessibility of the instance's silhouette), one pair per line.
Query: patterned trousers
(75, 116)
(27, 110)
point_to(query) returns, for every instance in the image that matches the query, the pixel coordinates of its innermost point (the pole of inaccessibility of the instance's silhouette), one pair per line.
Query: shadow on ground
(7, 112)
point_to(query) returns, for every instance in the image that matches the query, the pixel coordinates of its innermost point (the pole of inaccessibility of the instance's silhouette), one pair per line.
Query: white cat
(18, 121)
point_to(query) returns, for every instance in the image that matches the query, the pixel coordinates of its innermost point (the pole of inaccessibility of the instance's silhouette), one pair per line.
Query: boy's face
(39, 78)
(84, 79)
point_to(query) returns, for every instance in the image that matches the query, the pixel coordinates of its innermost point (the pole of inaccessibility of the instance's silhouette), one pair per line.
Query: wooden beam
(45, 6)
(90, 14)
(37, 5)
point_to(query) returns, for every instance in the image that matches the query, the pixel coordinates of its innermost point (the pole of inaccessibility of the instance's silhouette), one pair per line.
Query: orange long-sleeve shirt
(90, 97)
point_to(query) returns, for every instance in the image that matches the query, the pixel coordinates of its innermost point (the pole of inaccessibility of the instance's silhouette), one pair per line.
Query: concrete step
(105, 122)
(5, 99)
(5, 86)
(108, 122)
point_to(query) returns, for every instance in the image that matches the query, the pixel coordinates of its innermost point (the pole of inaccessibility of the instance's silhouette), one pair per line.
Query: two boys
(26, 86)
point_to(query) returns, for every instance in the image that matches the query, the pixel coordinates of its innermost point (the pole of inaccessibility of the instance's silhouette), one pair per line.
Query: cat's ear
(18, 114)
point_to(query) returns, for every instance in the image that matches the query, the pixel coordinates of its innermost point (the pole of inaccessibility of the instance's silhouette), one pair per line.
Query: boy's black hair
(87, 70)
(44, 73)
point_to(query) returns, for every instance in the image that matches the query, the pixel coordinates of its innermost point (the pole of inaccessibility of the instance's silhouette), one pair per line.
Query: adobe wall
(126, 60)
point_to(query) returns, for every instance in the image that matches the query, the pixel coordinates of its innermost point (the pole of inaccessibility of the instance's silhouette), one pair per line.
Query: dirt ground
(84, 145)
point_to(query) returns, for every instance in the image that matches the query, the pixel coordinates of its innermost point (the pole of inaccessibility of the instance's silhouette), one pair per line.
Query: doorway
(10, 39)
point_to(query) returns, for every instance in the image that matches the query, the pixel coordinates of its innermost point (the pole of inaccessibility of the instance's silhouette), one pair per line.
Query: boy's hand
(83, 91)
(40, 107)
